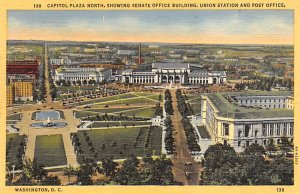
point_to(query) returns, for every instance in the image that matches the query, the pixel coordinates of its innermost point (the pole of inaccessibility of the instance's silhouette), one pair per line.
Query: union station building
(178, 73)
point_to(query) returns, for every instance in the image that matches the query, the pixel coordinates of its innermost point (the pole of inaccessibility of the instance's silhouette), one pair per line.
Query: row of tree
(169, 140)
(191, 137)
(265, 83)
(168, 103)
(132, 171)
(106, 117)
(183, 107)
(223, 166)
(78, 82)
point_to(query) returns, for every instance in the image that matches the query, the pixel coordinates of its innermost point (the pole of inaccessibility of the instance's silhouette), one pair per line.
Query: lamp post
(13, 170)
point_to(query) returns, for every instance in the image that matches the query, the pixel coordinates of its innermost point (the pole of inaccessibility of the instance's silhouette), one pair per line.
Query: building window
(278, 129)
(255, 133)
(225, 142)
(291, 128)
(271, 129)
(247, 130)
(239, 134)
(239, 143)
(226, 128)
(264, 130)
(265, 142)
(247, 143)
(278, 141)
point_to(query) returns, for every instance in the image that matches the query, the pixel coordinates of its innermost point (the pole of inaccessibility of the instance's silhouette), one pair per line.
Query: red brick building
(22, 67)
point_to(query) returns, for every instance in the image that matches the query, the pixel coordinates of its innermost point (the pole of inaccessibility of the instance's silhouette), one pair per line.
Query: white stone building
(178, 73)
(81, 74)
(234, 121)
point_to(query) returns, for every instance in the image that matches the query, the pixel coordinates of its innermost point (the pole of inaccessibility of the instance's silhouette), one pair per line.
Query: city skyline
(199, 27)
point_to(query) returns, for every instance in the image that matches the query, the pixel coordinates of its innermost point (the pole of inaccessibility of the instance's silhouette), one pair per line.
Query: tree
(109, 167)
(281, 172)
(128, 174)
(51, 180)
(32, 172)
(69, 171)
(219, 154)
(158, 172)
(86, 171)
(271, 147)
(285, 145)
(254, 149)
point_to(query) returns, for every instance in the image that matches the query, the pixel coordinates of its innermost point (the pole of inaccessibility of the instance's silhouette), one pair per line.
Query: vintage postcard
(151, 96)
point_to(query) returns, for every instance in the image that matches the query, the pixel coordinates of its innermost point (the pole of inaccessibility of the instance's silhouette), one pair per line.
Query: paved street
(183, 154)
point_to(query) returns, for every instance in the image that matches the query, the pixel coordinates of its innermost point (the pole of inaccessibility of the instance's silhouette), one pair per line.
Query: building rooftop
(170, 65)
(232, 110)
(198, 73)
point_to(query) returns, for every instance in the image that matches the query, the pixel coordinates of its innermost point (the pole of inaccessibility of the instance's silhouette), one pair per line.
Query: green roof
(232, 110)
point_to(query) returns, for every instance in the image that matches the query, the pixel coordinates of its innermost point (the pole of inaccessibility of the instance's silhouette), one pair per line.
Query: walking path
(183, 155)
(24, 126)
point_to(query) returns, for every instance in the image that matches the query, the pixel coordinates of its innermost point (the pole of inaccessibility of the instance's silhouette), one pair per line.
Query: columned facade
(177, 73)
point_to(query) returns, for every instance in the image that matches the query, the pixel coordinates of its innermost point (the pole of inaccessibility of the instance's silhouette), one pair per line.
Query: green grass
(138, 100)
(80, 114)
(111, 110)
(155, 97)
(193, 96)
(121, 136)
(50, 151)
(203, 132)
(103, 100)
(10, 122)
(145, 112)
(118, 123)
(12, 151)
(196, 108)
(14, 117)
(75, 88)
(143, 94)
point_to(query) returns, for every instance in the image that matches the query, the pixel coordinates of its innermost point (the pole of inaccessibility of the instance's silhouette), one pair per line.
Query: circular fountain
(49, 122)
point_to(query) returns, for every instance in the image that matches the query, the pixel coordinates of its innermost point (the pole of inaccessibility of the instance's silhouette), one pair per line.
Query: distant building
(10, 95)
(22, 67)
(241, 119)
(23, 90)
(126, 52)
(179, 73)
(81, 74)
(60, 61)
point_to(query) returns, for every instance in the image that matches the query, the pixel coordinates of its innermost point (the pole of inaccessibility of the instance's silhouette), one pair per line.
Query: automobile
(106, 106)
(87, 107)
(187, 174)
(188, 163)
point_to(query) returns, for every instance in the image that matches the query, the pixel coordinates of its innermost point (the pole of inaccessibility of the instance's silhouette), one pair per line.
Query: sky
(172, 26)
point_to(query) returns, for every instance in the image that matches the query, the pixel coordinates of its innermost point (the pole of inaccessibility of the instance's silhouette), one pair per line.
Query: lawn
(137, 100)
(203, 132)
(193, 96)
(49, 150)
(80, 114)
(121, 142)
(75, 88)
(14, 117)
(13, 142)
(144, 112)
(111, 110)
(196, 108)
(106, 99)
(118, 123)
(156, 98)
